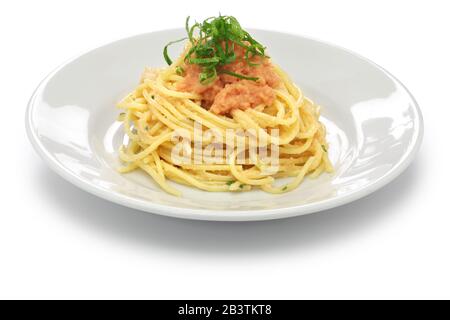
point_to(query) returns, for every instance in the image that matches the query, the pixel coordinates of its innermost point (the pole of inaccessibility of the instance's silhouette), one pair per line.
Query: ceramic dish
(374, 128)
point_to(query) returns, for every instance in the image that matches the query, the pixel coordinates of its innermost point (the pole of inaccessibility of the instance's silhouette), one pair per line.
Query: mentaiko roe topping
(228, 92)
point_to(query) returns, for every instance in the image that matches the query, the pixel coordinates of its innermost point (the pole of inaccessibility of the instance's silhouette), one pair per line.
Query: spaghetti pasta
(157, 111)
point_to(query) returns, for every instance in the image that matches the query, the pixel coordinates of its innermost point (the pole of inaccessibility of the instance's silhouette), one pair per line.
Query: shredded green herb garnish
(324, 148)
(179, 71)
(240, 76)
(284, 188)
(241, 186)
(229, 183)
(213, 42)
(165, 53)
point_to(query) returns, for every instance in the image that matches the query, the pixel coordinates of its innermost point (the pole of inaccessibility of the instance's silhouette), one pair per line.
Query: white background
(57, 241)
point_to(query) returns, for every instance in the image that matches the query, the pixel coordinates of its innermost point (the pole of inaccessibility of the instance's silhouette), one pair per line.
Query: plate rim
(225, 215)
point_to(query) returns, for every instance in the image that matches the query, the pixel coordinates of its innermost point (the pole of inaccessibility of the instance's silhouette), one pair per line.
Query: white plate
(374, 128)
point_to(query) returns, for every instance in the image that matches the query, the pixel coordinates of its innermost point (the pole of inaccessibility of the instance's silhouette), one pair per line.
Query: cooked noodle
(157, 109)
